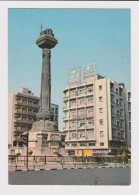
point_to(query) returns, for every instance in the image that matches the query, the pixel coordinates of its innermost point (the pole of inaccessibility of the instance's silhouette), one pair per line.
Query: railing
(23, 121)
(18, 162)
(65, 97)
(27, 104)
(25, 112)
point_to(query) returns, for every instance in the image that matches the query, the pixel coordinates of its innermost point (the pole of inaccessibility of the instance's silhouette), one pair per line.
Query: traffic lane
(102, 176)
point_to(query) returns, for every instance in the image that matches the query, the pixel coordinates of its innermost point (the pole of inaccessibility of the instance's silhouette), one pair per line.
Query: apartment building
(22, 109)
(97, 114)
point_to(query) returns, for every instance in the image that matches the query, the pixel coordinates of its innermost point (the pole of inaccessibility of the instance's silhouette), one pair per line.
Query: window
(52, 109)
(73, 135)
(90, 133)
(56, 117)
(56, 110)
(91, 144)
(90, 100)
(129, 116)
(101, 121)
(117, 123)
(20, 144)
(82, 102)
(100, 110)
(100, 99)
(73, 124)
(82, 134)
(81, 91)
(14, 143)
(91, 121)
(101, 134)
(89, 89)
(101, 144)
(100, 87)
(24, 100)
(73, 103)
(81, 123)
(81, 112)
(73, 113)
(90, 111)
(74, 145)
(73, 93)
(83, 144)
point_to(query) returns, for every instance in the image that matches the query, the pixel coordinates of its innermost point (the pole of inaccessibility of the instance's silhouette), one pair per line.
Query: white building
(97, 113)
(22, 109)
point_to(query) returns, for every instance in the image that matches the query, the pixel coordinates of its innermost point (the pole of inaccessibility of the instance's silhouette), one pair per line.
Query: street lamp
(25, 137)
(25, 142)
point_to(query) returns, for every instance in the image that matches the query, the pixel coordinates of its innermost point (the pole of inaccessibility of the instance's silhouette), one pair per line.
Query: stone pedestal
(47, 136)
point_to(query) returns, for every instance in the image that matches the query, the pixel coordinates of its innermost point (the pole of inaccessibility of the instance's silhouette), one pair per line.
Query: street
(95, 176)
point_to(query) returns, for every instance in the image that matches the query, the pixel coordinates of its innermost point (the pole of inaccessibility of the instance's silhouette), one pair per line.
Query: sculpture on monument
(44, 129)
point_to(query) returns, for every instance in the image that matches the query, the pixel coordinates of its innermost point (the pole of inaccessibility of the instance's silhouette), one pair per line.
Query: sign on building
(88, 71)
(74, 76)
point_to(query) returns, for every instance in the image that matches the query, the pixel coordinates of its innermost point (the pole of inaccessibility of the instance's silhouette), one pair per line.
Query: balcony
(19, 130)
(25, 112)
(27, 104)
(73, 128)
(23, 121)
(65, 98)
(90, 93)
(18, 139)
(65, 128)
(73, 106)
(65, 108)
(66, 118)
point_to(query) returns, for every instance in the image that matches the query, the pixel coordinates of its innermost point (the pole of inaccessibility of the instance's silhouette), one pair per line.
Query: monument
(44, 130)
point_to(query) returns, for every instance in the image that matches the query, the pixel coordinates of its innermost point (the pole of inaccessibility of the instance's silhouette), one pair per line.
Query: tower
(44, 129)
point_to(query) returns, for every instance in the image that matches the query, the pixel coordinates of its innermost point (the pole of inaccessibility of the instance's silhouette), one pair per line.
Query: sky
(100, 36)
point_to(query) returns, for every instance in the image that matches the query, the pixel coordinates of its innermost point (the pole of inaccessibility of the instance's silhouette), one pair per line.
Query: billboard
(78, 75)
(74, 76)
(88, 71)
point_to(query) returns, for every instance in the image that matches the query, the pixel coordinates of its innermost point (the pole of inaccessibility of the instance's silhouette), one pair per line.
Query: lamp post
(25, 136)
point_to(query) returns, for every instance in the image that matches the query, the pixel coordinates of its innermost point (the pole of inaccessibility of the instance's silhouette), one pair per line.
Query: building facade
(97, 114)
(22, 109)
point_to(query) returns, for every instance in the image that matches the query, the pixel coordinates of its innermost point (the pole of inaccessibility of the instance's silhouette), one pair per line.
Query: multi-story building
(22, 109)
(97, 114)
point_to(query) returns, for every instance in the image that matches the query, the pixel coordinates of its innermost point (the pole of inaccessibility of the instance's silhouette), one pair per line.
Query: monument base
(44, 138)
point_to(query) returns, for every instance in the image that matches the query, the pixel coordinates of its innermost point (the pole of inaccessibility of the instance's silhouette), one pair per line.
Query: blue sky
(84, 36)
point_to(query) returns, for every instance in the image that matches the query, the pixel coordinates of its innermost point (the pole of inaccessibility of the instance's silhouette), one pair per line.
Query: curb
(72, 168)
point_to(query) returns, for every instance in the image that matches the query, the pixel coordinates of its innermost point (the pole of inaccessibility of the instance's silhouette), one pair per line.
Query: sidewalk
(59, 166)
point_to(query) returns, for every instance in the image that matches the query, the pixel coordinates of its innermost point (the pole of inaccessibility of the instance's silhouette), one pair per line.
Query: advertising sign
(88, 71)
(74, 76)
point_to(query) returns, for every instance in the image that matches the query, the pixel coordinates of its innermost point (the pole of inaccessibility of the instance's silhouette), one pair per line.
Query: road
(103, 176)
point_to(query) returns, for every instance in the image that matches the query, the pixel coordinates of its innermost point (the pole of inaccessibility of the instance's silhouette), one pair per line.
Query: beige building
(22, 109)
(97, 115)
